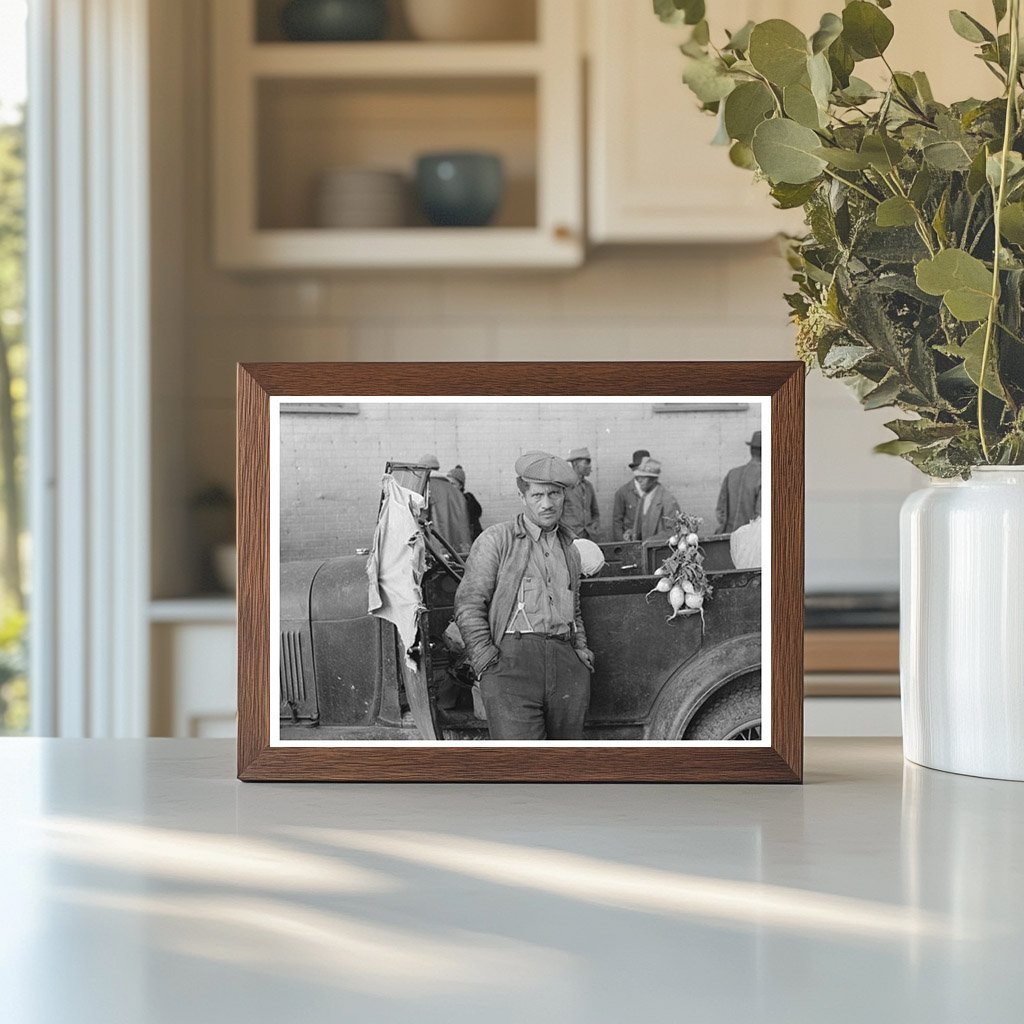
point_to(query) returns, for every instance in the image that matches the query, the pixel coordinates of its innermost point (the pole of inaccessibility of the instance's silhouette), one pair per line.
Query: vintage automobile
(344, 676)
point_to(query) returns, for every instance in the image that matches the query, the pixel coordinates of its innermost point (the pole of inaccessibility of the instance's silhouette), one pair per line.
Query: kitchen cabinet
(287, 113)
(653, 175)
(193, 673)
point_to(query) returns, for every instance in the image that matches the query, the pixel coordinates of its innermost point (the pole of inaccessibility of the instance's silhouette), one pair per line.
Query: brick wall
(331, 464)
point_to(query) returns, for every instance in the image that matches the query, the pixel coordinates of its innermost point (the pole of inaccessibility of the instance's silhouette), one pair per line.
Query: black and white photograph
(509, 570)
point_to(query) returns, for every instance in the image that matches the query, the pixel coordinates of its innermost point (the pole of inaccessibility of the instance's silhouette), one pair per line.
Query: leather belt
(563, 637)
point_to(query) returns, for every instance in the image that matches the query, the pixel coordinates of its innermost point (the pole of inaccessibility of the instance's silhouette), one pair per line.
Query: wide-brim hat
(638, 456)
(545, 468)
(755, 439)
(649, 467)
(579, 453)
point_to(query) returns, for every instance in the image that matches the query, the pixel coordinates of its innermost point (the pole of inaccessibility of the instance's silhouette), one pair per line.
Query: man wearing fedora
(739, 501)
(518, 610)
(626, 498)
(648, 511)
(581, 514)
(657, 508)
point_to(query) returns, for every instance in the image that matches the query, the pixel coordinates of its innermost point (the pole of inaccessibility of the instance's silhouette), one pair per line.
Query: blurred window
(14, 537)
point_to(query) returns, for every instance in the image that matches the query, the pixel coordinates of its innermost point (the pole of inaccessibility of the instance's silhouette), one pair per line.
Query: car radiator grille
(293, 679)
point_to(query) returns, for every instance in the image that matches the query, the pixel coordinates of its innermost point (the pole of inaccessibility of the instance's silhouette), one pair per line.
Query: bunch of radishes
(683, 578)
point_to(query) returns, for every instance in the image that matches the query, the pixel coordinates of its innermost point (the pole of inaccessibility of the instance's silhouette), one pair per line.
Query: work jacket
(489, 589)
(658, 521)
(448, 512)
(739, 501)
(581, 514)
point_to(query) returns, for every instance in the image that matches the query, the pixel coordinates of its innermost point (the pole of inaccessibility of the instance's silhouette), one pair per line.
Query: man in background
(518, 610)
(473, 507)
(446, 507)
(626, 500)
(581, 514)
(739, 501)
(656, 509)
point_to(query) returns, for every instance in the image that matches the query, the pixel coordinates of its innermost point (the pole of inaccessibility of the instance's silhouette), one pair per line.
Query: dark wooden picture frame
(781, 761)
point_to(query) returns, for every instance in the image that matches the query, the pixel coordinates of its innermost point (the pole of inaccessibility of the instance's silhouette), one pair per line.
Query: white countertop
(143, 884)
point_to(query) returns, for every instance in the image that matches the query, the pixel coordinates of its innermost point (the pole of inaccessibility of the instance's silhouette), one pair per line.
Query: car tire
(734, 712)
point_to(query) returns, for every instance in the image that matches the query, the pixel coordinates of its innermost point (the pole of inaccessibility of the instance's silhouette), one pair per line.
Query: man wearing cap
(581, 514)
(446, 506)
(626, 499)
(473, 507)
(739, 501)
(518, 610)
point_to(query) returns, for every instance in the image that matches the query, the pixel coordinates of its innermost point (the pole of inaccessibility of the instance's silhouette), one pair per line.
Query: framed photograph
(519, 572)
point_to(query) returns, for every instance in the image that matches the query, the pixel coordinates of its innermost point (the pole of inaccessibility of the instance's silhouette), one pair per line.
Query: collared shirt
(545, 600)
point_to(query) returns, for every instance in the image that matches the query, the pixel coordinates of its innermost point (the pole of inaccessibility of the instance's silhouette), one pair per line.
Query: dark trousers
(538, 690)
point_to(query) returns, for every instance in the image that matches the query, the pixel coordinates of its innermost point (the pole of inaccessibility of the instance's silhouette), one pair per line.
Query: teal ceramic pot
(334, 20)
(460, 189)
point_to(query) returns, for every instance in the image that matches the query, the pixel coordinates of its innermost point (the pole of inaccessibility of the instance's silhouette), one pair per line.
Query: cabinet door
(653, 174)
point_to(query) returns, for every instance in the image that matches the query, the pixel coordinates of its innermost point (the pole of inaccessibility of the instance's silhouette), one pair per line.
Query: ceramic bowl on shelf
(334, 20)
(460, 189)
(470, 20)
(361, 198)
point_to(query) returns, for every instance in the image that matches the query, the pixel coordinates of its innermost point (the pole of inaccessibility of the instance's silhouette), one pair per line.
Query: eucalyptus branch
(1000, 198)
(854, 186)
(923, 227)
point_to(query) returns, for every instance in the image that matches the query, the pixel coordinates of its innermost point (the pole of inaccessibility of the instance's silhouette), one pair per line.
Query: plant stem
(922, 225)
(993, 309)
(855, 187)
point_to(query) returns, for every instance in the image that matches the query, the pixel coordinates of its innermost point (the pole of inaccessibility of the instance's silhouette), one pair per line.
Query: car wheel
(733, 713)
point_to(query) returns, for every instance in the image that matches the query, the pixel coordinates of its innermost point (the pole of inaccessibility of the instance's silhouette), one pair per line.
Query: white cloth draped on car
(745, 546)
(397, 561)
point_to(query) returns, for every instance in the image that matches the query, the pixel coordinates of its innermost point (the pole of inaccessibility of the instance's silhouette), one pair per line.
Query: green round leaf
(968, 28)
(947, 156)
(1012, 223)
(743, 156)
(866, 29)
(746, 107)
(830, 29)
(674, 12)
(708, 80)
(779, 51)
(895, 212)
(882, 152)
(785, 152)
(963, 281)
(801, 106)
(740, 39)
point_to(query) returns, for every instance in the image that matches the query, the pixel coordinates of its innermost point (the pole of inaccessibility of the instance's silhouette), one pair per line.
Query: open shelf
(306, 128)
(519, 18)
(393, 60)
(287, 113)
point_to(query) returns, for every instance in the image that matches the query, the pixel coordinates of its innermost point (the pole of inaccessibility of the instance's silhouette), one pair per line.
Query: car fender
(693, 682)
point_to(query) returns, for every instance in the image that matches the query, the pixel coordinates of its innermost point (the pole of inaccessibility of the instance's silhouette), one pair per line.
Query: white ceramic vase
(962, 624)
